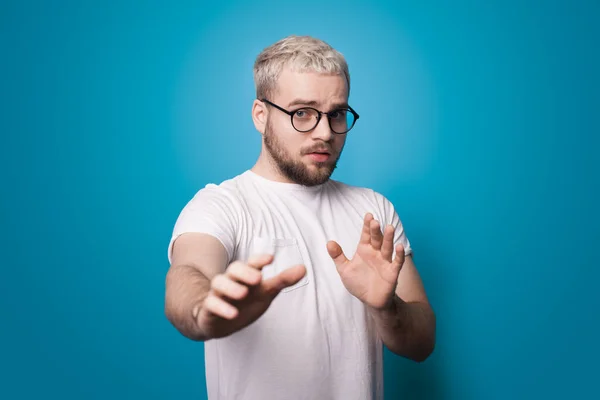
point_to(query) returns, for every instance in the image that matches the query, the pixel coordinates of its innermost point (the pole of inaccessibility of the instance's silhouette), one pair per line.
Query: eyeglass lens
(306, 119)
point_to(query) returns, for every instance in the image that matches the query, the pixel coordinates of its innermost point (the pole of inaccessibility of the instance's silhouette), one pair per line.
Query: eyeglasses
(306, 119)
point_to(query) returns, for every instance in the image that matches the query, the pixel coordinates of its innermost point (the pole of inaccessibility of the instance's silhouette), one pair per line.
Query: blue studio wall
(479, 120)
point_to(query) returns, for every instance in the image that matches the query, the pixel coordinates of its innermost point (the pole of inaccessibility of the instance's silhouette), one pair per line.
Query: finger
(387, 248)
(365, 236)
(400, 256)
(336, 253)
(219, 307)
(390, 271)
(286, 278)
(225, 286)
(376, 236)
(260, 260)
(244, 274)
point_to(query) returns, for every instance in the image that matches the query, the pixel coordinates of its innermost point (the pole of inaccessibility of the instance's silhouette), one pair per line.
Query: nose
(323, 130)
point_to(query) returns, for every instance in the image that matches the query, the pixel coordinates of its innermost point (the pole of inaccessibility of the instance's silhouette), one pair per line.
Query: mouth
(320, 151)
(319, 156)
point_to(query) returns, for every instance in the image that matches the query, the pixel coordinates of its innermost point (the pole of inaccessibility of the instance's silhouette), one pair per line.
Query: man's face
(293, 152)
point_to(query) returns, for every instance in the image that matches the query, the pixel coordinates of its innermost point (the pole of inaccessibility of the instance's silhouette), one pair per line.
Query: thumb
(336, 253)
(286, 278)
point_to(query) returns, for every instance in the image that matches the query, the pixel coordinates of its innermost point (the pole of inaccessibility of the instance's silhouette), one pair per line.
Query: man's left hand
(371, 275)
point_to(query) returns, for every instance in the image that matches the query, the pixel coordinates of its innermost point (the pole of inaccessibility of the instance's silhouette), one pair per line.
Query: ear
(259, 115)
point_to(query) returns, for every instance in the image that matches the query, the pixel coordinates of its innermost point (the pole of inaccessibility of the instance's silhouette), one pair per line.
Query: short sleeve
(391, 217)
(211, 211)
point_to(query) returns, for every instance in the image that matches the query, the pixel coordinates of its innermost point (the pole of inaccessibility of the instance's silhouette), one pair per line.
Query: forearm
(186, 289)
(406, 328)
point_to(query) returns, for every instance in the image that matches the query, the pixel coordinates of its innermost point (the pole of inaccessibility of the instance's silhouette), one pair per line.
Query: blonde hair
(301, 54)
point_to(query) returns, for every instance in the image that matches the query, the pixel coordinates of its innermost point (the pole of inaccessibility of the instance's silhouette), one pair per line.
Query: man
(295, 281)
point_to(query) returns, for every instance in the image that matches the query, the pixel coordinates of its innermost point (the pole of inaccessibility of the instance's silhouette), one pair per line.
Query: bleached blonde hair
(300, 54)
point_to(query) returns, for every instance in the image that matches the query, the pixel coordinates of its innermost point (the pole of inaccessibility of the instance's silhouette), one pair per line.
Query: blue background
(478, 120)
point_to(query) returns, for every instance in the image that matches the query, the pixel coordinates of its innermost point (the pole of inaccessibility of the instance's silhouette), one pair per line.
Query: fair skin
(204, 303)
(323, 92)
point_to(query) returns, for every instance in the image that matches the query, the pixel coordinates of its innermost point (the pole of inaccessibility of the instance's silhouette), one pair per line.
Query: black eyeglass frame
(319, 113)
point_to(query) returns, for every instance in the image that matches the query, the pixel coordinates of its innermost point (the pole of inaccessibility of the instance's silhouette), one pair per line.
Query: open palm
(371, 275)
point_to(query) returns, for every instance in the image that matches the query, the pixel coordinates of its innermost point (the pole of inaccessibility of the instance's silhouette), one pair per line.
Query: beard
(296, 170)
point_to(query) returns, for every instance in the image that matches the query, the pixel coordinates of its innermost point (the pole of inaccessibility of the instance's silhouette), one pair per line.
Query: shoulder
(227, 192)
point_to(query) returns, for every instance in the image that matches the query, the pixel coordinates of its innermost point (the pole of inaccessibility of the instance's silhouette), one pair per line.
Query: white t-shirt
(316, 341)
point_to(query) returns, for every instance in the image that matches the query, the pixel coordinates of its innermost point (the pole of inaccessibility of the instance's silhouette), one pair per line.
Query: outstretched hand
(239, 296)
(372, 274)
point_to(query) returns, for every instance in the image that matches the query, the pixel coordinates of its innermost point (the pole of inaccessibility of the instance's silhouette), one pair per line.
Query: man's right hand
(239, 296)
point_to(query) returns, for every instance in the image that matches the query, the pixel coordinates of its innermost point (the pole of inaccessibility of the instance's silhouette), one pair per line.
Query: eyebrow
(312, 103)
(302, 102)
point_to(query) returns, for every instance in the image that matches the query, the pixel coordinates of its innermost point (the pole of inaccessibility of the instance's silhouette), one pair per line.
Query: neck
(266, 167)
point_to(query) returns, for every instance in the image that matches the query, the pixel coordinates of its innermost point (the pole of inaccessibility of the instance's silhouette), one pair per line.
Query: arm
(390, 288)
(207, 299)
(196, 259)
(407, 323)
